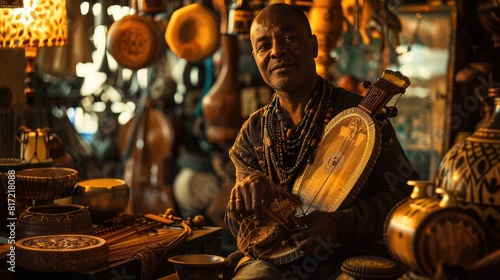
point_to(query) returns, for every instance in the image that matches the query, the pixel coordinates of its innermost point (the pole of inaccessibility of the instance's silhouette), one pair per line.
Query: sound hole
(333, 161)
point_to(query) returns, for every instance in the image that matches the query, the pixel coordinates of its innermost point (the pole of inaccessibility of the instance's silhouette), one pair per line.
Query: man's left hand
(317, 235)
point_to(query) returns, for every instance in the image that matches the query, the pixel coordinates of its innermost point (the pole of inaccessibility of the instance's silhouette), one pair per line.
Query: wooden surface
(206, 241)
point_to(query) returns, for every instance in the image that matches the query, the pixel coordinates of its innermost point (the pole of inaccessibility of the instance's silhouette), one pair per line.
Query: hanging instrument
(344, 159)
(135, 41)
(192, 32)
(148, 158)
(222, 103)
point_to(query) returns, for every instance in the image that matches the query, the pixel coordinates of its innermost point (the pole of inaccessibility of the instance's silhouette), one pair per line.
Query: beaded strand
(289, 148)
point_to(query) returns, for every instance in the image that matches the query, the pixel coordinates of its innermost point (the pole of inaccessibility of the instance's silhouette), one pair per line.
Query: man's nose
(277, 50)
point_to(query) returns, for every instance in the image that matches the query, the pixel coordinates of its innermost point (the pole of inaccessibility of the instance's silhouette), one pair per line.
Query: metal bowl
(105, 197)
(58, 253)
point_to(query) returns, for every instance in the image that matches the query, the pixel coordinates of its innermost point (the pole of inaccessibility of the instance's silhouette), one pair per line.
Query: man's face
(283, 50)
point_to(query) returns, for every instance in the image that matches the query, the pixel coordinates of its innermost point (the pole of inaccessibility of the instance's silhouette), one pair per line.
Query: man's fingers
(234, 201)
(232, 209)
(257, 208)
(240, 204)
(246, 198)
(306, 219)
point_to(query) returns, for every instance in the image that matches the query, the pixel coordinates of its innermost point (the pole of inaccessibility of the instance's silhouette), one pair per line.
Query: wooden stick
(160, 219)
(137, 230)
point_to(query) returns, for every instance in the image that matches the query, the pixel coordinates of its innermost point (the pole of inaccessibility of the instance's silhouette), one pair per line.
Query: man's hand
(250, 195)
(318, 233)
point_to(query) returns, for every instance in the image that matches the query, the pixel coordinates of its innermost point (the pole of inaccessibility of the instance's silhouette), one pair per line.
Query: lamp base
(29, 91)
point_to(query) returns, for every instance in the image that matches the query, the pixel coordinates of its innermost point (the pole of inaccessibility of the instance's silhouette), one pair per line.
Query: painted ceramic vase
(472, 168)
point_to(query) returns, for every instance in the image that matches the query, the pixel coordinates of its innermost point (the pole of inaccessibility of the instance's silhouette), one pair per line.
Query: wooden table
(205, 241)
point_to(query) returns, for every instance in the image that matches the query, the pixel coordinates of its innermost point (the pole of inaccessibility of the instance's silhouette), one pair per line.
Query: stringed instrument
(344, 159)
(148, 159)
(146, 141)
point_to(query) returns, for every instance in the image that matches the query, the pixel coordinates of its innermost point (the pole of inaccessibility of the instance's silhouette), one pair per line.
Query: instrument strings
(343, 149)
(379, 94)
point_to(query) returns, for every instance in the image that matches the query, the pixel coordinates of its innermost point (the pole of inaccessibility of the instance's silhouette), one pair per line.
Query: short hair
(301, 15)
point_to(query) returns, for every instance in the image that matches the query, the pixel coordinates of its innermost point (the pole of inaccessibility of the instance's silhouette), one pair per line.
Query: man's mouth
(281, 66)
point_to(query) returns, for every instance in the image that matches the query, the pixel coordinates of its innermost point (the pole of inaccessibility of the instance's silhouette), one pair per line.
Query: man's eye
(263, 47)
(288, 38)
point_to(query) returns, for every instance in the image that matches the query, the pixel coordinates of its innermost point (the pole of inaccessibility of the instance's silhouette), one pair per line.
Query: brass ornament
(423, 232)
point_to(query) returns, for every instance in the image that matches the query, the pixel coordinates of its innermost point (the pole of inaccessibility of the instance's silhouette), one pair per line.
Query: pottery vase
(472, 168)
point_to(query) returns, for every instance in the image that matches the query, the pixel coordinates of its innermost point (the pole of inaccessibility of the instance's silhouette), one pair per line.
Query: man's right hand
(249, 196)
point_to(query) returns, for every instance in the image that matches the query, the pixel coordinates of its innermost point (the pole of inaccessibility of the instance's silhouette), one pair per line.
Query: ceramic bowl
(105, 197)
(197, 266)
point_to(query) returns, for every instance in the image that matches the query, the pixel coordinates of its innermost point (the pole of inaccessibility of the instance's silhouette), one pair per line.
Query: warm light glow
(85, 8)
(118, 12)
(41, 23)
(97, 9)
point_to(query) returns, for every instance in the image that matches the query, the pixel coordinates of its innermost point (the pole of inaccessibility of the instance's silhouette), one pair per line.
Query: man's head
(284, 47)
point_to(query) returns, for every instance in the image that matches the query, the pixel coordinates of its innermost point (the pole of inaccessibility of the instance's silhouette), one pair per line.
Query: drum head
(135, 42)
(344, 159)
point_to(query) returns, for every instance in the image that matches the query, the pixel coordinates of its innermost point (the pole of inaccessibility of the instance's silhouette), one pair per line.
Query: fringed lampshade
(32, 24)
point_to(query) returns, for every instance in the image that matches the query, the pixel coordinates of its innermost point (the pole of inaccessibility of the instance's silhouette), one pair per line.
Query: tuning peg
(391, 111)
(366, 84)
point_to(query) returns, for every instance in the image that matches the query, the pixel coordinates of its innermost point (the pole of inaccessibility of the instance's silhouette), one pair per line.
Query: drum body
(421, 234)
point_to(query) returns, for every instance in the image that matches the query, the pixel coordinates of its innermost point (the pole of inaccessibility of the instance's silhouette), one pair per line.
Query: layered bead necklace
(289, 147)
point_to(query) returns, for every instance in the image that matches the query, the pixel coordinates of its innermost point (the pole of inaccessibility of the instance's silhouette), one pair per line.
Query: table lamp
(32, 24)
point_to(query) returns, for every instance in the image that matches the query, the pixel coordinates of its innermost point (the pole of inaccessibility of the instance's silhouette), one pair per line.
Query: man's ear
(314, 42)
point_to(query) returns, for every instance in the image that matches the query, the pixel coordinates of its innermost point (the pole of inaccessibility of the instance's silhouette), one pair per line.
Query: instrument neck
(374, 101)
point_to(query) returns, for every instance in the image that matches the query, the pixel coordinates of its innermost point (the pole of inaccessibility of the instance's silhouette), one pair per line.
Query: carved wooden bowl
(54, 219)
(57, 253)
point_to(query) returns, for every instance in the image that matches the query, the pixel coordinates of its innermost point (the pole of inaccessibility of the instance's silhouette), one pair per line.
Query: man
(278, 141)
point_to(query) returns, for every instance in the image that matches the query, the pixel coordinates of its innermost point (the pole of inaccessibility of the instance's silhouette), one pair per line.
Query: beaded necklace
(288, 147)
